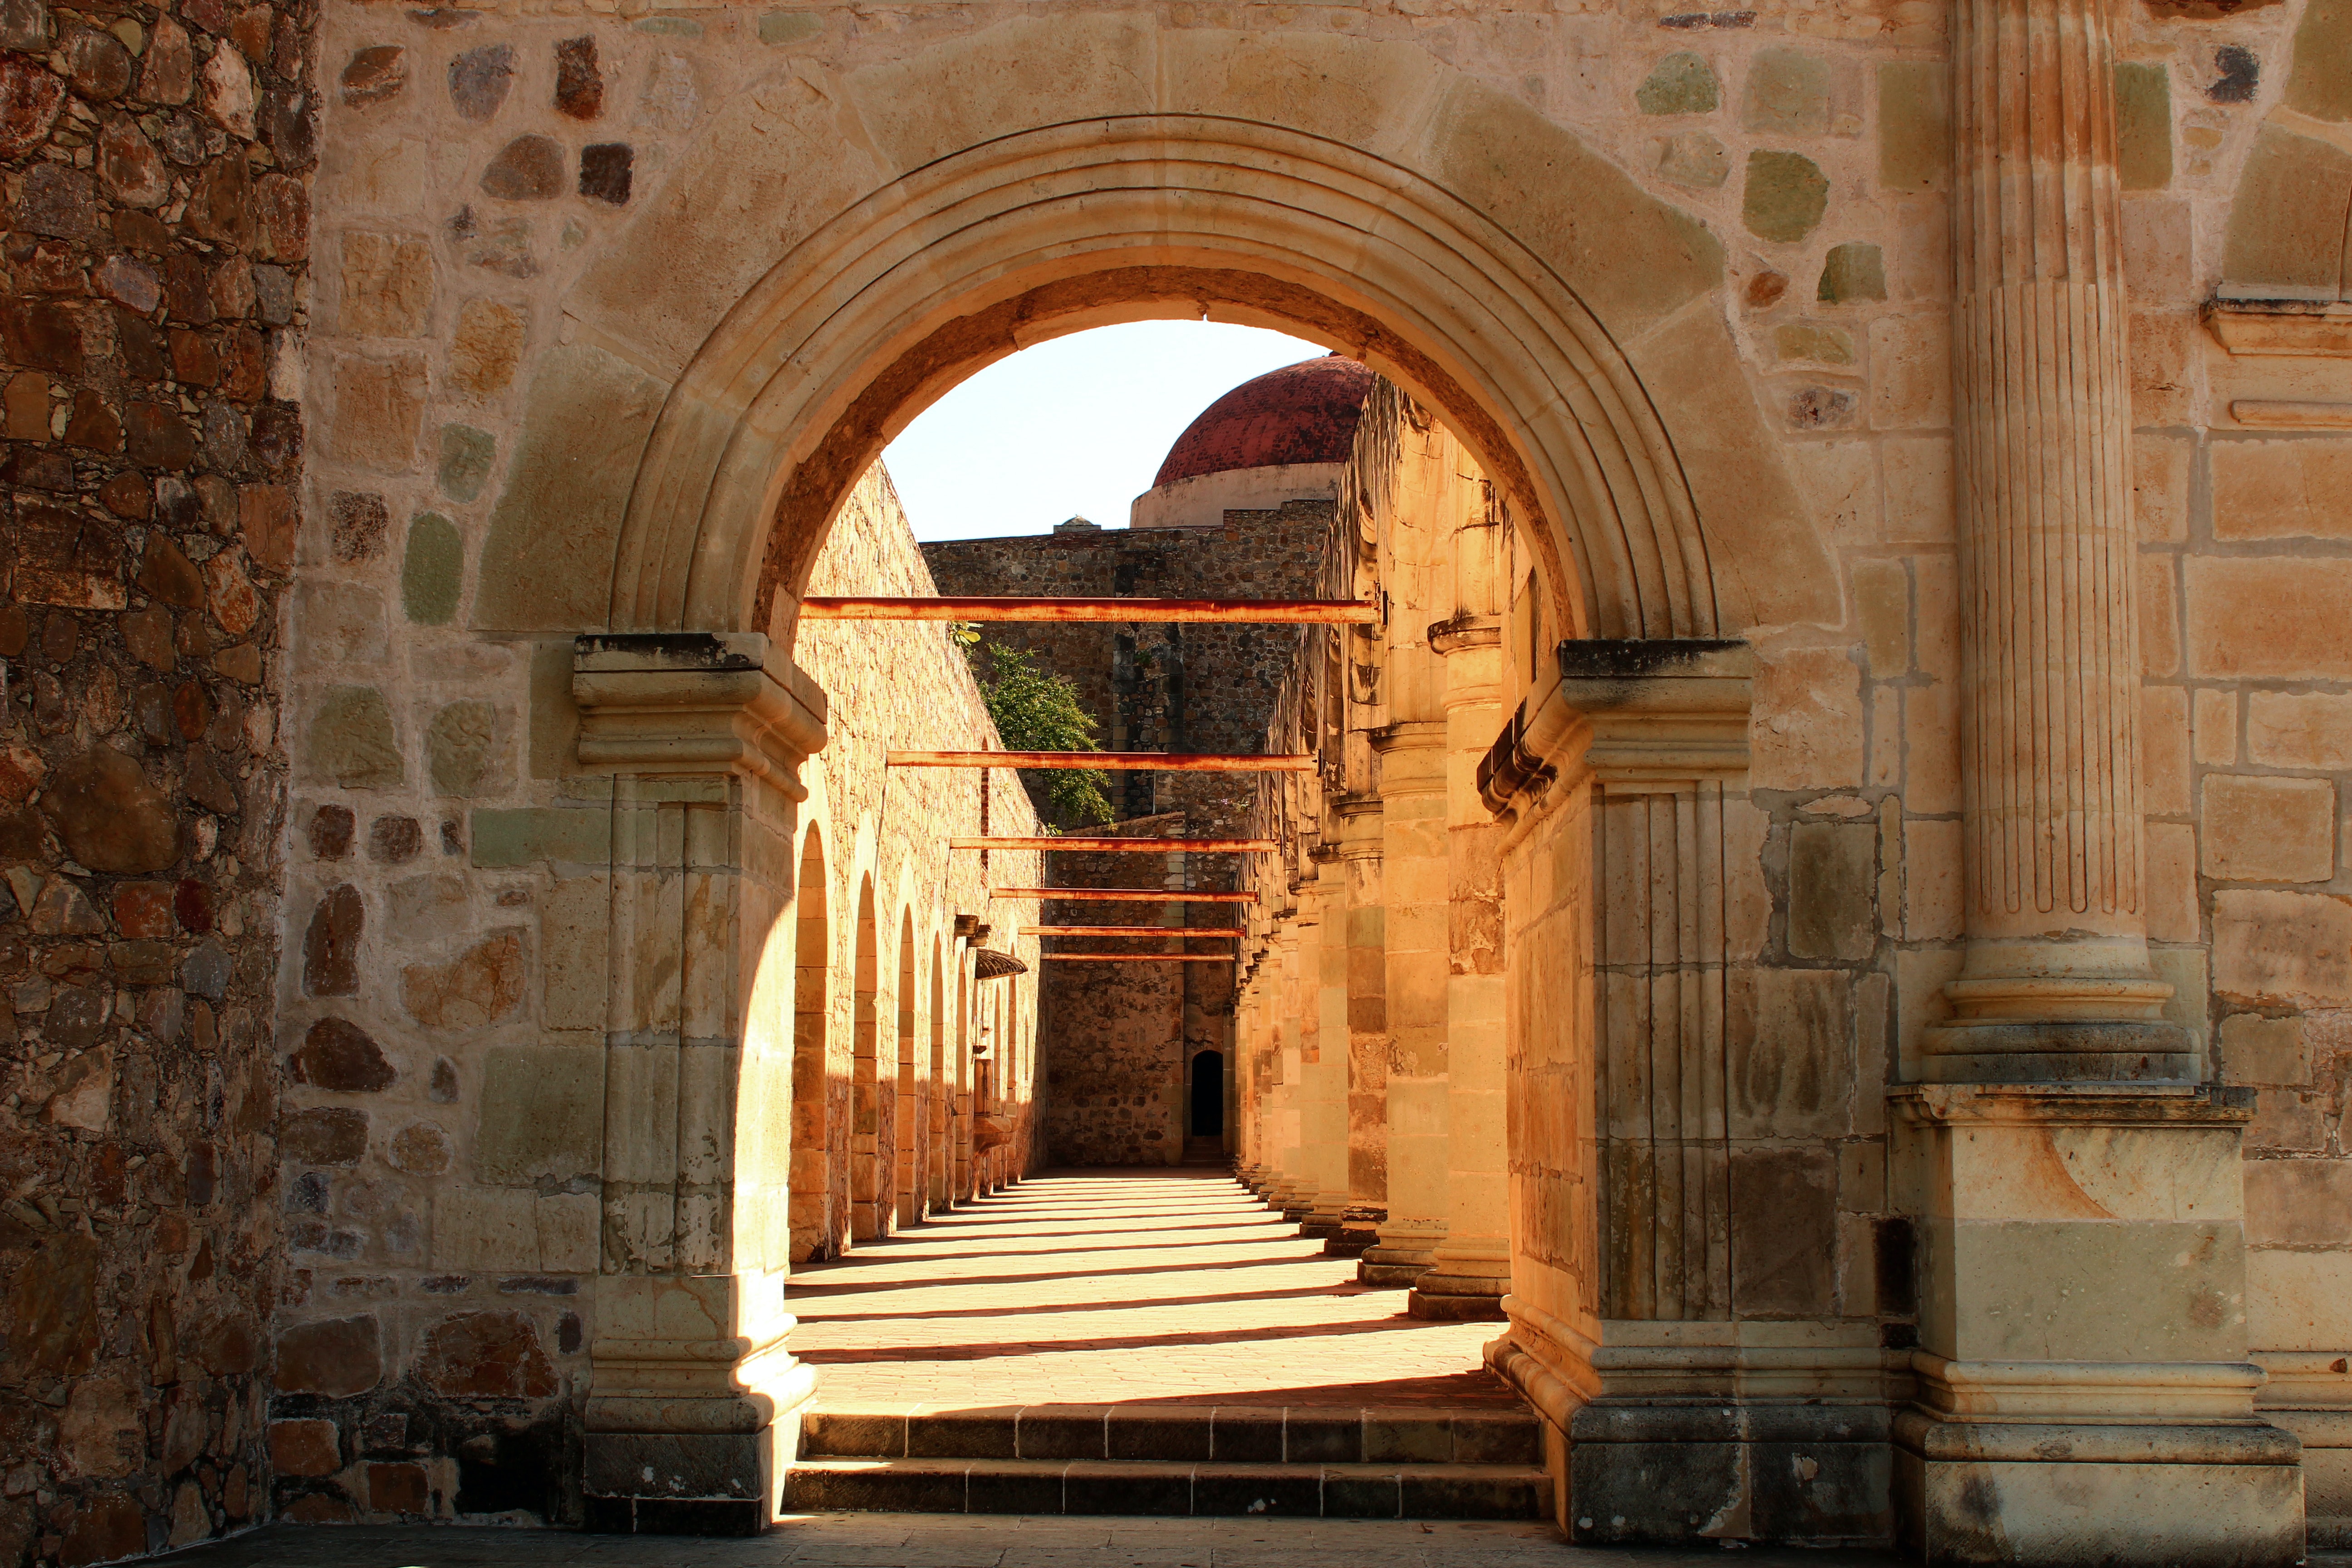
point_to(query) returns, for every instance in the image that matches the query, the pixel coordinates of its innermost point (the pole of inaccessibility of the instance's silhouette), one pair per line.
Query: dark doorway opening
(1208, 1094)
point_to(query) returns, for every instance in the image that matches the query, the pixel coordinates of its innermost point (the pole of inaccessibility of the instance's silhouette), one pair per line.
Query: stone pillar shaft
(1364, 976)
(2056, 982)
(1413, 884)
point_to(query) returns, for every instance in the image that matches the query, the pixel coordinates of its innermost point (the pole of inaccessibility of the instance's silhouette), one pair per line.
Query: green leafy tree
(1039, 712)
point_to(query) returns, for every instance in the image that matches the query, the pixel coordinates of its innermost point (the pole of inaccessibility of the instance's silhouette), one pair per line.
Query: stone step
(1225, 1434)
(1221, 1489)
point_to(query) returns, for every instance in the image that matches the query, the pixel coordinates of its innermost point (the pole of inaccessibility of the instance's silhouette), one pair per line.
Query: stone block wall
(154, 168)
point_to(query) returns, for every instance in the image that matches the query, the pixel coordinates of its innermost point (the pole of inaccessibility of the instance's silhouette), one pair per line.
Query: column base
(1458, 1299)
(2059, 1051)
(1397, 1257)
(2034, 1493)
(1359, 1229)
(687, 1435)
(1672, 1473)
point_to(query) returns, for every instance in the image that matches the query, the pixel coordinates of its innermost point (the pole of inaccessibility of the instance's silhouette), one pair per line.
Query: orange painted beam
(1132, 930)
(1021, 607)
(1123, 895)
(1165, 762)
(1115, 846)
(1138, 957)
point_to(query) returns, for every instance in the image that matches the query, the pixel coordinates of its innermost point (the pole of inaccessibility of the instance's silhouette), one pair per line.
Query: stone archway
(1566, 325)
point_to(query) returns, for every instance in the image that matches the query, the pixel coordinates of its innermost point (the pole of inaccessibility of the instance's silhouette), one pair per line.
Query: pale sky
(1072, 427)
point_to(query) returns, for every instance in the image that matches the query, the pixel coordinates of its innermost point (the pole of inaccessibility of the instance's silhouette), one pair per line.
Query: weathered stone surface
(228, 91)
(1811, 342)
(1786, 93)
(377, 74)
(109, 817)
(2282, 949)
(133, 173)
(97, 64)
(579, 86)
(527, 169)
(63, 909)
(479, 80)
(379, 406)
(461, 749)
(168, 73)
(607, 171)
(331, 944)
(359, 523)
(2143, 125)
(1783, 1231)
(29, 100)
(486, 1355)
(305, 1448)
(1681, 83)
(541, 1118)
(338, 1357)
(2259, 829)
(420, 1149)
(337, 1054)
(466, 455)
(432, 569)
(2260, 1050)
(328, 1135)
(68, 559)
(1785, 196)
(1695, 159)
(547, 560)
(478, 988)
(1852, 271)
(394, 840)
(387, 283)
(330, 832)
(350, 739)
(486, 347)
(521, 837)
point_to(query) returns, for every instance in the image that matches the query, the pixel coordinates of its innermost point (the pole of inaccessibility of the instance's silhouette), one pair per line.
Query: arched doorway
(1208, 1099)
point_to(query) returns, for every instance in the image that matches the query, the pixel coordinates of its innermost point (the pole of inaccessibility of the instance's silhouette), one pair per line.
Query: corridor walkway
(1166, 1287)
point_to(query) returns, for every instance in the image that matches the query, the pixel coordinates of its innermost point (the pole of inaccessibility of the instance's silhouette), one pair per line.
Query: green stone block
(351, 740)
(1855, 270)
(2319, 82)
(1915, 125)
(2143, 125)
(431, 570)
(1679, 84)
(2286, 220)
(458, 745)
(466, 457)
(669, 27)
(1787, 194)
(1817, 344)
(527, 835)
(788, 27)
(1787, 92)
(1695, 159)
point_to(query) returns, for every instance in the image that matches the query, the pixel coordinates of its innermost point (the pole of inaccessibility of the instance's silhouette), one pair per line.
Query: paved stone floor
(1121, 1286)
(963, 1540)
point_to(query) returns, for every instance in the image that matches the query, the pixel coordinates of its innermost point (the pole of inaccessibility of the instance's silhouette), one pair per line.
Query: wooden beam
(1023, 608)
(1137, 957)
(1164, 761)
(1132, 930)
(1122, 895)
(1118, 845)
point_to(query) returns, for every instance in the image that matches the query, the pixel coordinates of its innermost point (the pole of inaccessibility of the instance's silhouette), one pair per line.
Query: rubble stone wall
(155, 165)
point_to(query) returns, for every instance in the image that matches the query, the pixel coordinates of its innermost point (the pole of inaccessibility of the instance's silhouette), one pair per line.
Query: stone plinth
(2082, 1387)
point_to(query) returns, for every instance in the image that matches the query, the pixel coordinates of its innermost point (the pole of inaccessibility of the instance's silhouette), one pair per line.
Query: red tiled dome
(1303, 413)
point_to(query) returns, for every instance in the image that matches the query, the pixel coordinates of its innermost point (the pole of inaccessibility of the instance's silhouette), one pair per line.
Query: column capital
(676, 704)
(1627, 711)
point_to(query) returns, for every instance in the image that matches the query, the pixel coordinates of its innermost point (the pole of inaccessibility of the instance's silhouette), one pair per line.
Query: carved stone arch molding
(859, 243)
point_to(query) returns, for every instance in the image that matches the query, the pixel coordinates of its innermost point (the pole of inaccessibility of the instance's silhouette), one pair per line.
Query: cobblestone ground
(1101, 1287)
